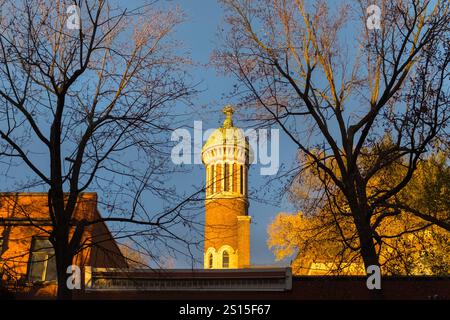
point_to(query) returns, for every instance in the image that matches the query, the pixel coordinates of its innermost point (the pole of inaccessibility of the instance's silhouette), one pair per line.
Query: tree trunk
(357, 199)
(368, 251)
(63, 257)
(63, 261)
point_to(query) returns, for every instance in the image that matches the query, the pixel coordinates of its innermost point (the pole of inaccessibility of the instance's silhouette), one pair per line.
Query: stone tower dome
(227, 223)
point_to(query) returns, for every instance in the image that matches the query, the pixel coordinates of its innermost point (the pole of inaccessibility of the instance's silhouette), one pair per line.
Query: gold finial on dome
(228, 123)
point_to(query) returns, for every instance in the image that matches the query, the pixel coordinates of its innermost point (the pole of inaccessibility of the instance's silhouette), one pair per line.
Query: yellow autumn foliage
(319, 242)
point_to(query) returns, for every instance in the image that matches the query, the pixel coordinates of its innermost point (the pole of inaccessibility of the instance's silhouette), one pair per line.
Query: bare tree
(88, 106)
(339, 90)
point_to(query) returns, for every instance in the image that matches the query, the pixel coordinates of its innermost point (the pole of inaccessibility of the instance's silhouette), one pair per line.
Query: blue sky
(203, 21)
(198, 33)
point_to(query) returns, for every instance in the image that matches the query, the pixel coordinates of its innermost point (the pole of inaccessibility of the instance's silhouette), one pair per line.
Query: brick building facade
(27, 256)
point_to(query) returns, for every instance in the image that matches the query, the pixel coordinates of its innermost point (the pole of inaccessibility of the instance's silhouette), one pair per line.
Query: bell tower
(227, 223)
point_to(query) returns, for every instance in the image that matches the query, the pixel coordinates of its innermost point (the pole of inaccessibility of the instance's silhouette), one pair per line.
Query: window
(218, 179)
(42, 265)
(226, 177)
(241, 179)
(210, 261)
(234, 175)
(225, 260)
(209, 180)
(213, 179)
